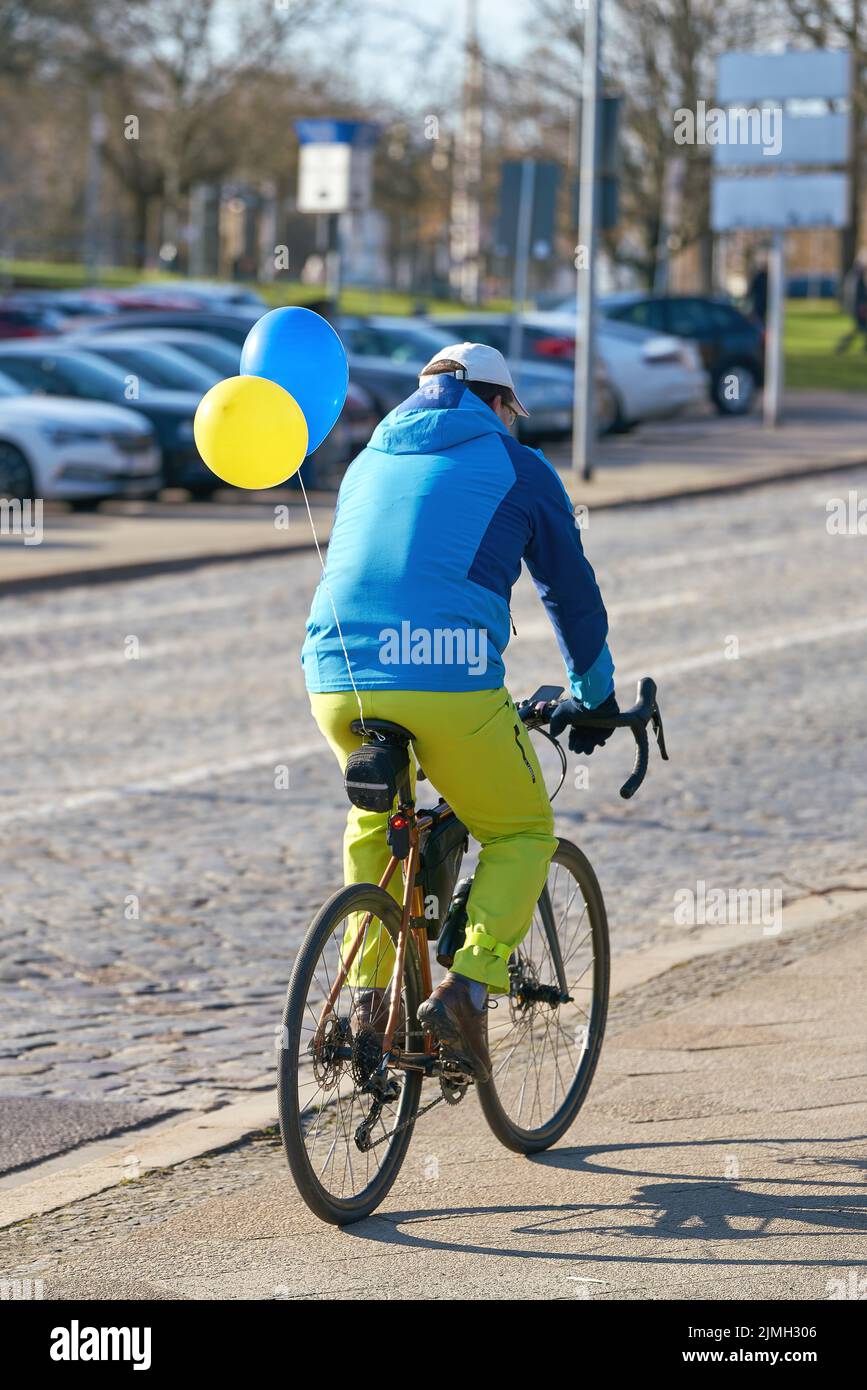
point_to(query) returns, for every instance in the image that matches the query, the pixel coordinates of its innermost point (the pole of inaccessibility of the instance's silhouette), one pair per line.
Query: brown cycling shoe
(370, 1010)
(449, 1013)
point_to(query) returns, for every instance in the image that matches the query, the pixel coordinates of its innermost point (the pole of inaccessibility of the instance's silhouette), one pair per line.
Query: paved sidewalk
(721, 1154)
(700, 454)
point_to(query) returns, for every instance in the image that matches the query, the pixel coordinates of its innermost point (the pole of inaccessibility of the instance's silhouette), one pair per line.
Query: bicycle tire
(527, 1140)
(329, 1207)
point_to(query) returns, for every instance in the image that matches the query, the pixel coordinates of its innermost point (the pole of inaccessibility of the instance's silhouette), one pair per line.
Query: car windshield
(494, 334)
(67, 374)
(397, 342)
(411, 344)
(217, 355)
(159, 366)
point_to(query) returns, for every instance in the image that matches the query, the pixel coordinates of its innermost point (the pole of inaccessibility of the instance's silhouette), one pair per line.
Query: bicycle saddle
(384, 728)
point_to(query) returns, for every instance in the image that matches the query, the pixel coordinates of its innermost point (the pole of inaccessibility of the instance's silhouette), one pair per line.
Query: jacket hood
(439, 415)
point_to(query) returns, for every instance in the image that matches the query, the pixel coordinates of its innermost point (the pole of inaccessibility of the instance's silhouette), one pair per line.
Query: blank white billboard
(778, 201)
(797, 73)
(785, 140)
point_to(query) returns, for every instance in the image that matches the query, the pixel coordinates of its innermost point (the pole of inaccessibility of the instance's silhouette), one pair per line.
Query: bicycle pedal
(456, 1068)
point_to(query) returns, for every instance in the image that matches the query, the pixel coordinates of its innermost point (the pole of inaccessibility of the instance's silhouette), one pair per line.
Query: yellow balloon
(251, 432)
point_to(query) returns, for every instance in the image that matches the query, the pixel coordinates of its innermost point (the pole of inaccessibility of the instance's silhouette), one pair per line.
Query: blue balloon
(302, 353)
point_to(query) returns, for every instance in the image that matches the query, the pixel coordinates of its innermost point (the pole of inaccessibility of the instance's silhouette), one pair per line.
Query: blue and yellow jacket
(433, 521)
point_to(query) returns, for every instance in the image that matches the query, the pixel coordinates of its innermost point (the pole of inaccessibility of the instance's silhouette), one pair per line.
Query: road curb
(132, 1154)
(734, 485)
(144, 569)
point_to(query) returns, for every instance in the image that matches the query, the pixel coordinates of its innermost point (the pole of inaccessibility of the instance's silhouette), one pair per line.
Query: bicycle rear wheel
(326, 1059)
(543, 1049)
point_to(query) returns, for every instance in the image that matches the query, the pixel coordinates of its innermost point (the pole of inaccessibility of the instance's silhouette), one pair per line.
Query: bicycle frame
(412, 909)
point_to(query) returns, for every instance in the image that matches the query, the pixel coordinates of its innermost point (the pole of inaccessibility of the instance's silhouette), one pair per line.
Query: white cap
(481, 363)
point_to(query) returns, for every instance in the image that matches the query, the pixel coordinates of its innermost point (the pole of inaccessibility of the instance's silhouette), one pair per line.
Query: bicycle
(349, 1092)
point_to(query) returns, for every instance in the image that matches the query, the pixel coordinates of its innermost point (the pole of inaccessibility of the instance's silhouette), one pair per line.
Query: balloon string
(331, 601)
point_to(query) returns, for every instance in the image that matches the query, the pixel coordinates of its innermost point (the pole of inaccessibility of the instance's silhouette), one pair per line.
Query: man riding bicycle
(410, 621)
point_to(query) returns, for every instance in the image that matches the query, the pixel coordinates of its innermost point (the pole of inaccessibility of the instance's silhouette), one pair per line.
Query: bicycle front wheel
(544, 1047)
(344, 1141)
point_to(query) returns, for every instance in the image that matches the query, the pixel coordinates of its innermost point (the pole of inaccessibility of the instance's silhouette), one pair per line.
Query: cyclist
(432, 523)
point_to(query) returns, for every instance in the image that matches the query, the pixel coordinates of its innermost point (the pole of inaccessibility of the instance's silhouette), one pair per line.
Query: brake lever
(656, 721)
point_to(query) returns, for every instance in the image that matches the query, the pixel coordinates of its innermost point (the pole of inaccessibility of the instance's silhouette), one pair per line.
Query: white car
(653, 375)
(74, 451)
(650, 375)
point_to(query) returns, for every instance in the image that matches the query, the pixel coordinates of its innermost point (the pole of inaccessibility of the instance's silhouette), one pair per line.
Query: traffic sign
(779, 201)
(801, 73)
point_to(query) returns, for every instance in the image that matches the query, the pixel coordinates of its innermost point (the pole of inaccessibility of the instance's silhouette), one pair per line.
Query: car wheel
(86, 504)
(16, 479)
(734, 389)
(607, 409)
(621, 425)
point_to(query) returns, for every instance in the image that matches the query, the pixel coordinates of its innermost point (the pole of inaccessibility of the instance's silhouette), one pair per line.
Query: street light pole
(584, 418)
(776, 318)
(522, 265)
(93, 187)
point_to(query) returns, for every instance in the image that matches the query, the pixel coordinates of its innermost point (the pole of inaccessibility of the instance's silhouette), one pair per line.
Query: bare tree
(175, 81)
(659, 56)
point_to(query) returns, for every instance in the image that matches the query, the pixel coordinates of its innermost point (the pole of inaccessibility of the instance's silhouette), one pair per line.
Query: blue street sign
(315, 131)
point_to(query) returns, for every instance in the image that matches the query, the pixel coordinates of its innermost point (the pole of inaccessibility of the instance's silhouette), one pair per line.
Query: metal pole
(466, 215)
(333, 258)
(584, 415)
(776, 318)
(522, 262)
(93, 187)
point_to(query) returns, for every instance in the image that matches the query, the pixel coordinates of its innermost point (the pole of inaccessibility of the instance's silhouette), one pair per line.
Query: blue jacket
(433, 520)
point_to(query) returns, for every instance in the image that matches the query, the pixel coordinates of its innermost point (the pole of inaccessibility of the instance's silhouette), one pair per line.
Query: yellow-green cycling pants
(477, 754)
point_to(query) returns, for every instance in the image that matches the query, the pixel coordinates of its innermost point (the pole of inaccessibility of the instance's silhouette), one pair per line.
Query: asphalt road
(158, 875)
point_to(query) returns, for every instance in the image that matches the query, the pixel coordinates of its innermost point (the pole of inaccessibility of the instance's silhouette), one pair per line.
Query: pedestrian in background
(759, 293)
(855, 305)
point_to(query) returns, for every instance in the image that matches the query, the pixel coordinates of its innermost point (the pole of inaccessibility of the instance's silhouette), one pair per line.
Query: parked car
(648, 375)
(153, 362)
(75, 451)
(357, 421)
(142, 298)
(185, 295)
(220, 355)
(232, 325)
(53, 369)
(381, 384)
(21, 319)
(216, 294)
(546, 339)
(732, 346)
(66, 305)
(397, 349)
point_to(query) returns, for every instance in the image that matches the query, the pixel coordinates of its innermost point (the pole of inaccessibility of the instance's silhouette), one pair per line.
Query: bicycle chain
(406, 1123)
(450, 1100)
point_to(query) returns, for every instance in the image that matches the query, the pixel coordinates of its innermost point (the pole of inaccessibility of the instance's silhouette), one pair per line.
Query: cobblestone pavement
(158, 873)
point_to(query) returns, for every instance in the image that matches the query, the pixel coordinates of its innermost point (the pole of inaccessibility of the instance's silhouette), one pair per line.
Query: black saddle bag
(374, 774)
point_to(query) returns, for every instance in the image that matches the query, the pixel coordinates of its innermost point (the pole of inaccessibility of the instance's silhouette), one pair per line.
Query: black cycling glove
(583, 740)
